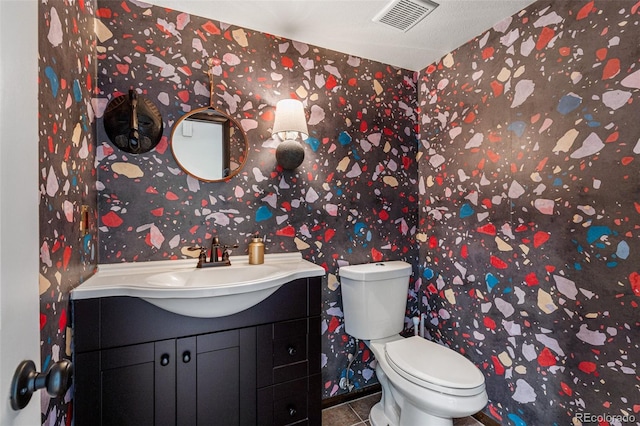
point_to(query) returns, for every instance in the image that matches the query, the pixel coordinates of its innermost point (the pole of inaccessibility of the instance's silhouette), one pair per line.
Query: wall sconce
(289, 125)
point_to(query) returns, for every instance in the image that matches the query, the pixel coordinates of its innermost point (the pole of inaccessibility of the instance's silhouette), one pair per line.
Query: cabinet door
(134, 385)
(226, 378)
(186, 372)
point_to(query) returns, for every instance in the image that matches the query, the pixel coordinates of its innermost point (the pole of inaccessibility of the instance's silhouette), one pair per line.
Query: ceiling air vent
(404, 14)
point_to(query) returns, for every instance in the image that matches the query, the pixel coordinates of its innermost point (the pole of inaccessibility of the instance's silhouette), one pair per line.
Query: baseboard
(485, 419)
(351, 396)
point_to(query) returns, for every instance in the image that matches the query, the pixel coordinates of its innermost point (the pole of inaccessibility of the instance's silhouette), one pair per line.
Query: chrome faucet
(219, 254)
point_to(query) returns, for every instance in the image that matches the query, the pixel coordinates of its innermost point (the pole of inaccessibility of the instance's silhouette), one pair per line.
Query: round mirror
(209, 145)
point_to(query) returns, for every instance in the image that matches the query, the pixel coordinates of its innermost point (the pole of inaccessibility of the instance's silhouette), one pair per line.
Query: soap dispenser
(256, 250)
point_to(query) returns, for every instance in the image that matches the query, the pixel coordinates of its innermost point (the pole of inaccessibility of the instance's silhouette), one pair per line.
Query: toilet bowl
(423, 383)
(428, 392)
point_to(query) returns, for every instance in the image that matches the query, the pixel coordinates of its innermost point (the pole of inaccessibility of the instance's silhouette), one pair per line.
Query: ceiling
(346, 25)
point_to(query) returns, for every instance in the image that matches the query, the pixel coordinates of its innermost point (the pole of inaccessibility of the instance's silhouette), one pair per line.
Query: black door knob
(26, 380)
(186, 356)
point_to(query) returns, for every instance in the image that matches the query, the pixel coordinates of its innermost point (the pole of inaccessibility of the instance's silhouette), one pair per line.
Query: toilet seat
(433, 366)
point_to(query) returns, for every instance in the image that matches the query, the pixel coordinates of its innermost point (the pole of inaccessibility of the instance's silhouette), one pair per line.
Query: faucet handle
(202, 257)
(225, 251)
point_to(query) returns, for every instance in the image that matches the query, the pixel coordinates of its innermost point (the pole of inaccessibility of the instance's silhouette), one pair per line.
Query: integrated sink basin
(209, 277)
(178, 286)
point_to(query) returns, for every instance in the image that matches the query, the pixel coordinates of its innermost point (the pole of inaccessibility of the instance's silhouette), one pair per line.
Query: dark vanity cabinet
(136, 364)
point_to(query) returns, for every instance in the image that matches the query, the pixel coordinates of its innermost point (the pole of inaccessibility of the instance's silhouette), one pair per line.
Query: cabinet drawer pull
(292, 350)
(164, 360)
(186, 357)
(292, 411)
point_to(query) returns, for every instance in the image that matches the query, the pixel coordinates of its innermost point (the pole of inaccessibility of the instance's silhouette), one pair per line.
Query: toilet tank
(374, 298)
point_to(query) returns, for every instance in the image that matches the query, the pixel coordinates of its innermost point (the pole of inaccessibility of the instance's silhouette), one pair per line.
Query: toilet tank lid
(376, 271)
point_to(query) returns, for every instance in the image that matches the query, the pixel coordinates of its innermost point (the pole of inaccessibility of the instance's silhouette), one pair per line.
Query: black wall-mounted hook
(26, 380)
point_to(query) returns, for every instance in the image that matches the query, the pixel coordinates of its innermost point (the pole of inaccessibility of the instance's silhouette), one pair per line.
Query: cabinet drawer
(289, 350)
(285, 353)
(283, 404)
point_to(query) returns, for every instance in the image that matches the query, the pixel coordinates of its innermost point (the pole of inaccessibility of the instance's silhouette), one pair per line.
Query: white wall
(19, 228)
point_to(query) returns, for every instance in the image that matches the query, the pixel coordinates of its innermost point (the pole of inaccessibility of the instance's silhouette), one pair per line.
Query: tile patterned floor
(356, 413)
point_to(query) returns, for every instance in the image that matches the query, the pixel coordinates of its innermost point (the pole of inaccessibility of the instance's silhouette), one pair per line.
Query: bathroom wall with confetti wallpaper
(354, 199)
(524, 200)
(530, 210)
(67, 76)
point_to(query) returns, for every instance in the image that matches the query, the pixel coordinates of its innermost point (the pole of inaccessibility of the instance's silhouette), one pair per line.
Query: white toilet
(423, 383)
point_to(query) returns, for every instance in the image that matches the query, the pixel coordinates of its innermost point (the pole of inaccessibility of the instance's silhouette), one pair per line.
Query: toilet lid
(426, 363)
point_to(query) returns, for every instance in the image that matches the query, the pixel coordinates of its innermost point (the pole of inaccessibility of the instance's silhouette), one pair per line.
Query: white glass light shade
(290, 120)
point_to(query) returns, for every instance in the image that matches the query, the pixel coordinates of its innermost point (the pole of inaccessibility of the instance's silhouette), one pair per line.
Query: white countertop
(140, 279)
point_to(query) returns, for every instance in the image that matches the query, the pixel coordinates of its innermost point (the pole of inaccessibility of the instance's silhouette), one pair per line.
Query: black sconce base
(289, 154)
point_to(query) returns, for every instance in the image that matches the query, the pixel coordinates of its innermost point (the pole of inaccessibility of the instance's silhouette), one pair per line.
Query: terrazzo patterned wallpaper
(67, 71)
(527, 184)
(530, 210)
(353, 200)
